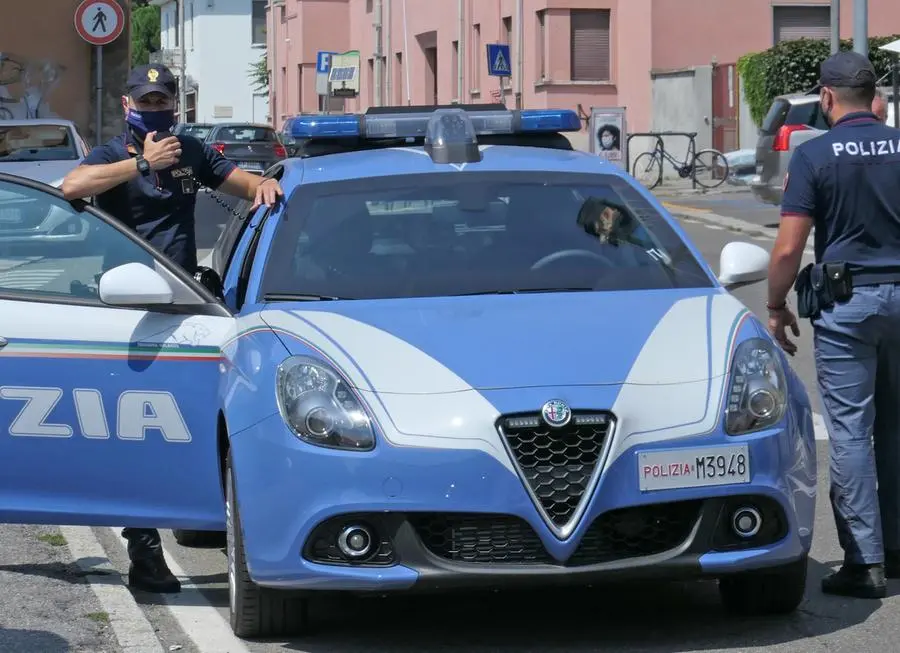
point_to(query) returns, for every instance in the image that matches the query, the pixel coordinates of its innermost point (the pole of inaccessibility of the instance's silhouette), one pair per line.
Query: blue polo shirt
(160, 205)
(848, 181)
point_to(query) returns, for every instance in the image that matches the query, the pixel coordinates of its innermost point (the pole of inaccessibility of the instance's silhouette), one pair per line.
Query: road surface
(55, 610)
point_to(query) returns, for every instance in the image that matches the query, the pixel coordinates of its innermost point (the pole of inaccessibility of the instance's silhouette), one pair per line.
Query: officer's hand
(779, 322)
(267, 193)
(163, 154)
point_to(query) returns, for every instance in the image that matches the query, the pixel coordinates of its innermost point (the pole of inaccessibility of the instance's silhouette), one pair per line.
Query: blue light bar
(414, 125)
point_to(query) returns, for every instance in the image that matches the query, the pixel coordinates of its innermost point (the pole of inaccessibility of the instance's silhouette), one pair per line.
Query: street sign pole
(98, 108)
(99, 22)
(861, 26)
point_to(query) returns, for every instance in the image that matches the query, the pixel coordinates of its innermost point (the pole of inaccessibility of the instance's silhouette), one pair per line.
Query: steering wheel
(570, 253)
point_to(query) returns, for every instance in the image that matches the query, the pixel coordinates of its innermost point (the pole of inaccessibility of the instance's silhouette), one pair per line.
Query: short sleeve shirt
(848, 182)
(160, 205)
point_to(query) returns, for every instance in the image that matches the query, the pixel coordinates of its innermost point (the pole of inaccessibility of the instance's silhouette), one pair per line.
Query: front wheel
(647, 169)
(255, 611)
(775, 591)
(710, 168)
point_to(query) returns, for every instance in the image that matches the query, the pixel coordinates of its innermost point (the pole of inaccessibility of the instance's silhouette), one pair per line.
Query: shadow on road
(25, 641)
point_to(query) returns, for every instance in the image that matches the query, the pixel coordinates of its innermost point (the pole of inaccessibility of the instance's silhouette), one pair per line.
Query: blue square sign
(498, 60)
(323, 62)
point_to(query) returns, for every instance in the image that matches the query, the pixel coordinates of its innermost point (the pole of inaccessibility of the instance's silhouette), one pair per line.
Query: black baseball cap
(847, 70)
(151, 78)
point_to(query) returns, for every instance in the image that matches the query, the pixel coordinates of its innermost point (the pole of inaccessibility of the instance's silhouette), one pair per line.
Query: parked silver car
(792, 119)
(43, 149)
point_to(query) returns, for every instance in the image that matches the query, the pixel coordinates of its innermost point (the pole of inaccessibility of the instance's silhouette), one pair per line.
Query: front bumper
(446, 519)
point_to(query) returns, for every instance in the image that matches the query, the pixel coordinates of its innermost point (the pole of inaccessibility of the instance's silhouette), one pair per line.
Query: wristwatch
(142, 165)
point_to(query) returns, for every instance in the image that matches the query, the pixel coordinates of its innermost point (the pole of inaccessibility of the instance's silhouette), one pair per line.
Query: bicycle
(648, 167)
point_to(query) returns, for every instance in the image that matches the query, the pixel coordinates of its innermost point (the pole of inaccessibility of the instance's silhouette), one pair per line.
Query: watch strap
(142, 165)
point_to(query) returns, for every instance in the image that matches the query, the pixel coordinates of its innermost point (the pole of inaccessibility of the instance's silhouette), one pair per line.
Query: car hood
(485, 343)
(48, 172)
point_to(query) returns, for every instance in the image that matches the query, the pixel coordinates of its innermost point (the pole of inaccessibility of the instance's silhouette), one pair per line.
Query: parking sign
(323, 65)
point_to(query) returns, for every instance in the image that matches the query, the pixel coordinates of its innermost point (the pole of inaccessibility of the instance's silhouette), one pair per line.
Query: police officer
(845, 184)
(148, 180)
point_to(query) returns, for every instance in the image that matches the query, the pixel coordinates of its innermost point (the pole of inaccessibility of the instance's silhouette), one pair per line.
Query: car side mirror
(210, 279)
(742, 264)
(134, 284)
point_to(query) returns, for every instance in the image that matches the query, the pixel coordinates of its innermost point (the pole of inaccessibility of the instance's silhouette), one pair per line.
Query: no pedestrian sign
(99, 22)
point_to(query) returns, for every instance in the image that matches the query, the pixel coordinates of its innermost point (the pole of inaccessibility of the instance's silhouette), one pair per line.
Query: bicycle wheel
(647, 170)
(710, 168)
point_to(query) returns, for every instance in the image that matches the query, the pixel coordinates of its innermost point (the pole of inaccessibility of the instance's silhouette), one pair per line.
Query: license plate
(247, 165)
(699, 467)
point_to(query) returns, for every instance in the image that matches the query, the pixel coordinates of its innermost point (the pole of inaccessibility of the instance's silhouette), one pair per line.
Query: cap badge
(153, 75)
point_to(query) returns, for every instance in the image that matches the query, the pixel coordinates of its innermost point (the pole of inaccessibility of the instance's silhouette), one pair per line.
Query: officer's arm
(99, 171)
(798, 206)
(243, 184)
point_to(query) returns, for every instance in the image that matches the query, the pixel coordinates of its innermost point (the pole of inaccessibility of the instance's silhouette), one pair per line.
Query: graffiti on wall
(26, 86)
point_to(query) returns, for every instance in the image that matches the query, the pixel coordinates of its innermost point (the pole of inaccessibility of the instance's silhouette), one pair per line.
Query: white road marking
(131, 628)
(819, 427)
(198, 618)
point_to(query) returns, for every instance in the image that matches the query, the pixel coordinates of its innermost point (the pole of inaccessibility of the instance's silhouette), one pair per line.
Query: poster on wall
(609, 134)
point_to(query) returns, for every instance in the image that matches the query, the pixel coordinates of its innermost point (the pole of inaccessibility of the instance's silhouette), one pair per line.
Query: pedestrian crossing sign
(498, 60)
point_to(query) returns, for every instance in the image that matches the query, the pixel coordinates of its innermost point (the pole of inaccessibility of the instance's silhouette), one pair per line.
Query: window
(176, 23)
(441, 235)
(246, 135)
(191, 19)
(542, 43)
(258, 23)
(36, 142)
(50, 249)
(792, 23)
(590, 45)
(478, 61)
(454, 71)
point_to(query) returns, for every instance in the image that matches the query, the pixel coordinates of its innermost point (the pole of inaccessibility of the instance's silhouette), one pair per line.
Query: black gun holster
(820, 286)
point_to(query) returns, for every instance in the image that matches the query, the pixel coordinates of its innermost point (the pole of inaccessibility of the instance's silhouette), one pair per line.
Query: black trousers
(143, 543)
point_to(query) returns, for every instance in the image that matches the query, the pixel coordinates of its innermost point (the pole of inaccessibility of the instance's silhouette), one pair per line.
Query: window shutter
(801, 22)
(590, 45)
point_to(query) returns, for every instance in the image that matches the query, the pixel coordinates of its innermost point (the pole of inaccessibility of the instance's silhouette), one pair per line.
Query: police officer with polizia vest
(148, 180)
(846, 184)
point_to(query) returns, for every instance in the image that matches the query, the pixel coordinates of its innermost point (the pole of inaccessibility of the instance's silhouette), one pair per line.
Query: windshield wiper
(521, 291)
(299, 297)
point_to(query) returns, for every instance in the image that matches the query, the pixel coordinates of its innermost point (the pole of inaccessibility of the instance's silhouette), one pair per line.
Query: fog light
(355, 541)
(746, 522)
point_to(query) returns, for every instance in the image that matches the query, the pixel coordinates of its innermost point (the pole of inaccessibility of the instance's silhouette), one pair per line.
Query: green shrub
(793, 67)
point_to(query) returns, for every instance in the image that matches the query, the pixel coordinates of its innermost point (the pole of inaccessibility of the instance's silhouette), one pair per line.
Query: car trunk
(255, 153)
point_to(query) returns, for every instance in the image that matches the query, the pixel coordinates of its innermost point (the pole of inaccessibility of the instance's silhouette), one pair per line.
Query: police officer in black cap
(148, 180)
(846, 184)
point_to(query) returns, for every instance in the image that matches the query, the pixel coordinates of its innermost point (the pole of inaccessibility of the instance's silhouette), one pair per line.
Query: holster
(820, 285)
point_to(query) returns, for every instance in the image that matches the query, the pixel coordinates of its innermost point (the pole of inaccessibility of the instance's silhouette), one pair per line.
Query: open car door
(109, 373)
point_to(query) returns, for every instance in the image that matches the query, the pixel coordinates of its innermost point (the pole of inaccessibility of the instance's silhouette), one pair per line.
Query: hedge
(793, 67)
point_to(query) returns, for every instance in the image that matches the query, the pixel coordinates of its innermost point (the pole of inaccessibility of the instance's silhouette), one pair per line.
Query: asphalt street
(49, 607)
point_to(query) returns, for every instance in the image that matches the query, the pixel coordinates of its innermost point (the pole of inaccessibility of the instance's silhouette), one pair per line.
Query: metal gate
(725, 106)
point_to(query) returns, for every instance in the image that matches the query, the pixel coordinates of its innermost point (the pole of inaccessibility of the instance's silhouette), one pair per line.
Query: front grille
(503, 539)
(557, 464)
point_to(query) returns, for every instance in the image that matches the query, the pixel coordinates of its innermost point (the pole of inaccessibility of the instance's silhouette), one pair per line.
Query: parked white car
(42, 149)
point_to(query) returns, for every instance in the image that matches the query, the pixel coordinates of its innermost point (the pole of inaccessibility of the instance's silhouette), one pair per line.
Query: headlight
(319, 407)
(757, 396)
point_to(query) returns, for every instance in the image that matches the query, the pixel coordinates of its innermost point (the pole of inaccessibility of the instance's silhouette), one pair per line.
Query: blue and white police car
(459, 354)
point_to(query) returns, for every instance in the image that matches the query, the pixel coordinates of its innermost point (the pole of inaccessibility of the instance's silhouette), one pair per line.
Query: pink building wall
(645, 35)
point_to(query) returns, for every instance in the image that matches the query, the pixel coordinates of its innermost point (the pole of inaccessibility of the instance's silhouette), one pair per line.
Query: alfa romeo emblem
(556, 413)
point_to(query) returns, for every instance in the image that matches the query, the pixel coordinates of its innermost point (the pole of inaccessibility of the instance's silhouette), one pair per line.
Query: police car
(458, 355)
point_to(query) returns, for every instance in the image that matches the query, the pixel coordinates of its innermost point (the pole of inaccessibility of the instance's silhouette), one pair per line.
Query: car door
(108, 414)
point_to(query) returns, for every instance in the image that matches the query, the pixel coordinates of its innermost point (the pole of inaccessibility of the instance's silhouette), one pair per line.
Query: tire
(255, 611)
(647, 169)
(710, 168)
(199, 539)
(776, 591)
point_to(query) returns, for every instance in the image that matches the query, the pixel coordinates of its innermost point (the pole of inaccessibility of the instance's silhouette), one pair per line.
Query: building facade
(48, 71)
(220, 41)
(670, 63)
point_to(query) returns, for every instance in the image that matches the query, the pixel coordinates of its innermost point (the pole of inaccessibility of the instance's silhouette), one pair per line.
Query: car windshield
(246, 134)
(473, 233)
(20, 143)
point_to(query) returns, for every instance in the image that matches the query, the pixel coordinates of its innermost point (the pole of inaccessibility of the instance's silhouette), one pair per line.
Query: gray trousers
(857, 352)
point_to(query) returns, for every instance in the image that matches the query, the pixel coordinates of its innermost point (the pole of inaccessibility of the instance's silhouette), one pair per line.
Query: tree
(144, 32)
(259, 74)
